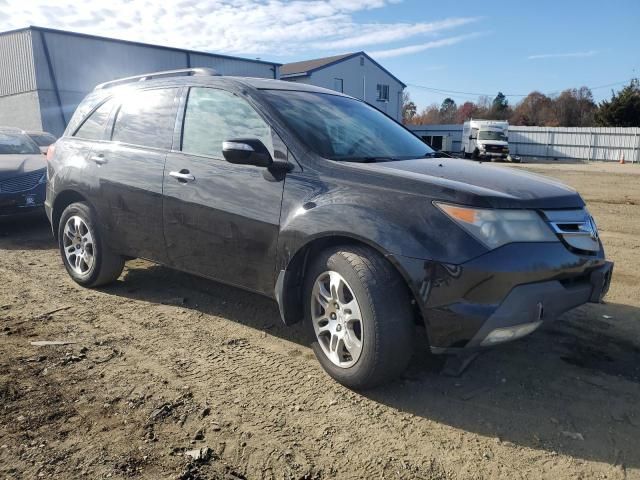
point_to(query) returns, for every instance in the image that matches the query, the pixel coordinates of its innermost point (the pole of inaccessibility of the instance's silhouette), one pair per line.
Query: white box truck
(485, 139)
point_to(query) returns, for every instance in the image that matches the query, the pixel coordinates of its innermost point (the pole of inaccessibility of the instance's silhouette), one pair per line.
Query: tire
(476, 154)
(386, 317)
(95, 265)
(465, 154)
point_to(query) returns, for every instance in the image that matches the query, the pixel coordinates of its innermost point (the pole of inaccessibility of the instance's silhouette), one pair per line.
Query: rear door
(131, 168)
(78, 171)
(223, 223)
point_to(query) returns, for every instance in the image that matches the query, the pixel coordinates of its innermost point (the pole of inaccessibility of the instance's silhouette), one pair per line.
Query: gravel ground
(163, 367)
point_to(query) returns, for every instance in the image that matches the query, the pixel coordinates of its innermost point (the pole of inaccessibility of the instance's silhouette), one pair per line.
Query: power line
(476, 94)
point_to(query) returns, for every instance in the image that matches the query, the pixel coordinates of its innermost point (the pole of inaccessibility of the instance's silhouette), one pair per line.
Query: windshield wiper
(365, 159)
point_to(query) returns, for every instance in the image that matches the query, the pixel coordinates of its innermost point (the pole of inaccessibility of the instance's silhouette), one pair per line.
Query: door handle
(183, 176)
(99, 159)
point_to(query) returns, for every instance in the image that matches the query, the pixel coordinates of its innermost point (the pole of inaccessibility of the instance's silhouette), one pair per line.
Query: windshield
(491, 135)
(16, 143)
(341, 128)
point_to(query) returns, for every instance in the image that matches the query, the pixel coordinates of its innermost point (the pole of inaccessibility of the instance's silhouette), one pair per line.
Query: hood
(478, 184)
(16, 165)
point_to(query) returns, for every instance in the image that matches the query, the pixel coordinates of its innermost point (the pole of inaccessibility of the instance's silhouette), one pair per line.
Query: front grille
(22, 183)
(576, 228)
(494, 148)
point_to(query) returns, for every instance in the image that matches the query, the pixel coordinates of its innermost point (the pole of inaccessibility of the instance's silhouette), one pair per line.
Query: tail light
(50, 151)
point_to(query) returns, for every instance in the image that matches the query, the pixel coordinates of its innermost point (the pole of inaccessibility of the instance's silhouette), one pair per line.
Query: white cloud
(420, 47)
(245, 27)
(589, 53)
(377, 34)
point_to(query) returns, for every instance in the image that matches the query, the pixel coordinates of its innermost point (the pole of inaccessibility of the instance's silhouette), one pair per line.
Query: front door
(221, 220)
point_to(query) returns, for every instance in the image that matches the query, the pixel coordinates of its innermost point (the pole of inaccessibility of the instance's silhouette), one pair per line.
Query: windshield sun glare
(344, 129)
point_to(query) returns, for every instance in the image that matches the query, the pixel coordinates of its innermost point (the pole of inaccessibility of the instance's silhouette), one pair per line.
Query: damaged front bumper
(504, 294)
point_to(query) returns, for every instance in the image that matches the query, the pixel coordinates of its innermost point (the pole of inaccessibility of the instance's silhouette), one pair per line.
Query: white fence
(562, 143)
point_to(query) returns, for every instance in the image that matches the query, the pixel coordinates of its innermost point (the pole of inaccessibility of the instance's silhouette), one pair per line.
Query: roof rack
(196, 72)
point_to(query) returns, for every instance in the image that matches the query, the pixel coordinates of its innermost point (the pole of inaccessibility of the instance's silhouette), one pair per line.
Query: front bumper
(512, 286)
(22, 202)
(494, 154)
(527, 306)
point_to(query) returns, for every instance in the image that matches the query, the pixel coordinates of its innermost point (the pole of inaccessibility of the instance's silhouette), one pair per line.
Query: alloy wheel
(337, 320)
(78, 245)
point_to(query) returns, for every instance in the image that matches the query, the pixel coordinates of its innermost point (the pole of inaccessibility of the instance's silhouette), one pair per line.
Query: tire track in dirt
(279, 415)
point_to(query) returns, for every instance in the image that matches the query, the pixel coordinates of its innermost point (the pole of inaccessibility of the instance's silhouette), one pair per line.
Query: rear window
(93, 126)
(17, 144)
(147, 118)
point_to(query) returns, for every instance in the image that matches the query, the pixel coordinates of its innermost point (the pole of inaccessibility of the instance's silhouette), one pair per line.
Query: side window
(213, 116)
(93, 126)
(147, 118)
(383, 92)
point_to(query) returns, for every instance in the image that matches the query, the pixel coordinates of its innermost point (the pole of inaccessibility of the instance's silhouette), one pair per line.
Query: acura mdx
(345, 218)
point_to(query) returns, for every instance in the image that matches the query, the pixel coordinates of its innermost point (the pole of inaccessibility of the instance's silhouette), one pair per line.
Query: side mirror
(470, 137)
(246, 151)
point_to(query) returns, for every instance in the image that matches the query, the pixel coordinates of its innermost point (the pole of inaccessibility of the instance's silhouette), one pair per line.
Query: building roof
(307, 67)
(129, 42)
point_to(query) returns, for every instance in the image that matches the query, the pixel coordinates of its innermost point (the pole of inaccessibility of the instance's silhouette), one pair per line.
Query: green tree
(623, 110)
(448, 110)
(500, 109)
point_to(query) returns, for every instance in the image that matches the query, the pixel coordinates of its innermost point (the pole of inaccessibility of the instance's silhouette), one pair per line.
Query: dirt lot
(164, 363)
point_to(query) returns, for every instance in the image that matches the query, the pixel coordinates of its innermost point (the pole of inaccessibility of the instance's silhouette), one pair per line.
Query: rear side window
(147, 118)
(93, 126)
(213, 116)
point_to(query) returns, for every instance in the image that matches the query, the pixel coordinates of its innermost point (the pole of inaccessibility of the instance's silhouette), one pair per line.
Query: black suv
(344, 217)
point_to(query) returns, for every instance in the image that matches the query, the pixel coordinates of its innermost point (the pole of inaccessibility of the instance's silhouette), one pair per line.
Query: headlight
(495, 227)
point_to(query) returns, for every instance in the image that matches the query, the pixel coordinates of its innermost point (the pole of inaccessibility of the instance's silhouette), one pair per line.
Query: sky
(456, 48)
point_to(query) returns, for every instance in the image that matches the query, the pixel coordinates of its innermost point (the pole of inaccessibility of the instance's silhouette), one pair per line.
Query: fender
(316, 215)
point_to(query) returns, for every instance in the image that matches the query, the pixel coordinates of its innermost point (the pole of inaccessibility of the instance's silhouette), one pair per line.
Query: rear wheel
(87, 260)
(359, 312)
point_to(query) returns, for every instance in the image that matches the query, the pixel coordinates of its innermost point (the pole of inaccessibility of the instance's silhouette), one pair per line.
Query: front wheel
(359, 312)
(87, 259)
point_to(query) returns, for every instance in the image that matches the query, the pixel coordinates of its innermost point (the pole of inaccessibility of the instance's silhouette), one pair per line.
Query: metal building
(356, 74)
(553, 143)
(45, 73)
